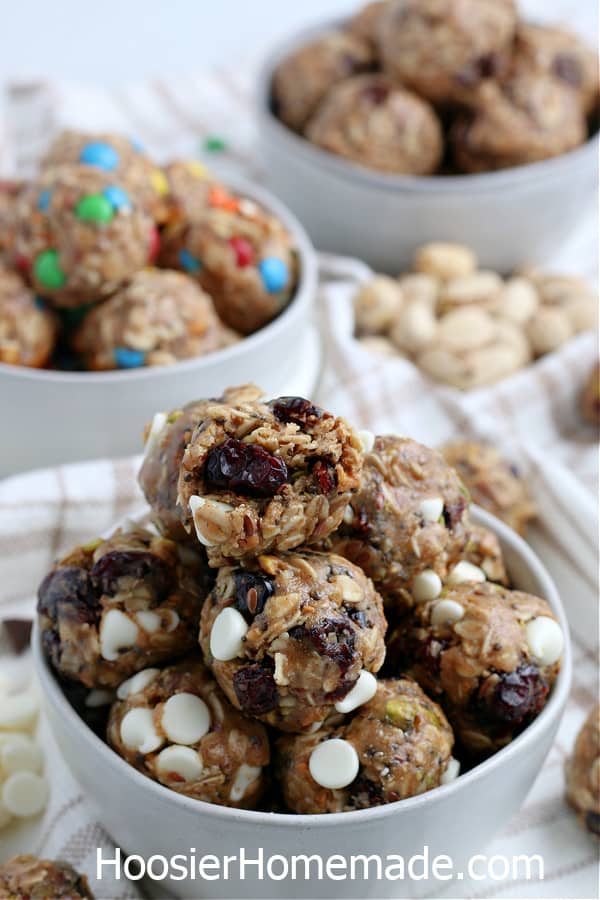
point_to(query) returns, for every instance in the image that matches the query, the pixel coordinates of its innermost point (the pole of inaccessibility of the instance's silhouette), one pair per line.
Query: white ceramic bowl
(54, 417)
(517, 215)
(458, 819)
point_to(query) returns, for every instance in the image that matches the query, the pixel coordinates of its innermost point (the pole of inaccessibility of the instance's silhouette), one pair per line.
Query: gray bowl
(509, 217)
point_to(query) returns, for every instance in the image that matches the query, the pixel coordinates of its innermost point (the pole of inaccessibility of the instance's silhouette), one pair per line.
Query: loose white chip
(158, 423)
(452, 771)
(150, 621)
(427, 585)
(178, 760)
(545, 640)
(18, 712)
(363, 690)
(431, 509)
(185, 718)
(138, 731)
(447, 611)
(465, 571)
(334, 763)
(367, 440)
(136, 683)
(117, 633)
(246, 775)
(229, 628)
(24, 794)
(99, 697)
(20, 754)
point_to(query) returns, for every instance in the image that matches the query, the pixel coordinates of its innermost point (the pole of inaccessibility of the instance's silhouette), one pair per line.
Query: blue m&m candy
(101, 155)
(44, 200)
(188, 261)
(117, 197)
(125, 358)
(137, 146)
(274, 274)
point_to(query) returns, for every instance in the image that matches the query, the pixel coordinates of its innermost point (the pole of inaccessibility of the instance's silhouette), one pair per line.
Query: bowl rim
(353, 172)
(302, 298)
(553, 710)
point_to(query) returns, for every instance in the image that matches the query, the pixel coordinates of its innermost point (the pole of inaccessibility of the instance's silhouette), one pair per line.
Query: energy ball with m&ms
(28, 878)
(81, 235)
(259, 477)
(158, 318)
(396, 745)
(176, 726)
(28, 330)
(117, 605)
(294, 638)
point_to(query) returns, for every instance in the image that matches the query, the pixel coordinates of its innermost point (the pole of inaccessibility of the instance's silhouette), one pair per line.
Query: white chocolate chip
(178, 760)
(364, 689)
(452, 771)
(20, 754)
(431, 509)
(99, 697)
(427, 585)
(227, 633)
(117, 633)
(367, 440)
(334, 764)
(349, 515)
(171, 620)
(136, 683)
(18, 712)
(25, 794)
(465, 572)
(212, 526)
(150, 621)
(545, 640)
(245, 776)
(158, 423)
(138, 731)
(447, 612)
(185, 718)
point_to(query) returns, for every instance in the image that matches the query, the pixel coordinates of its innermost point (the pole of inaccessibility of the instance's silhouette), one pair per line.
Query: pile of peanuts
(469, 327)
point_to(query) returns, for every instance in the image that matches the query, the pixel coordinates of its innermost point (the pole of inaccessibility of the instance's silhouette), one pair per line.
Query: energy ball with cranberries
(28, 877)
(443, 50)
(257, 477)
(115, 606)
(371, 121)
(294, 638)
(165, 441)
(582, 773)
(492, 482)
(304, 77)
(396, 746)
(158, 318)
(176, 726)
(28, 330)
(81, 235)
(488, 654)
(241, 254)
(408, 522)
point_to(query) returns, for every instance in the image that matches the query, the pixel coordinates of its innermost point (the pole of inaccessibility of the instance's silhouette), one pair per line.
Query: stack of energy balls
(109, 262)
(425, 86)
(235, 646)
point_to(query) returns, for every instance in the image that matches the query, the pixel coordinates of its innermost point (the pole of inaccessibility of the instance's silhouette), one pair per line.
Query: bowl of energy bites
(415, 115)
(122, 278)
(309, 642)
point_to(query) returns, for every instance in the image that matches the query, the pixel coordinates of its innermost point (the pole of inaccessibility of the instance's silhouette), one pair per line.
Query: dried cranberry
(453, 512)
(332, 638)
(516, 695)
(252, 592)
(71, 587)
(376, 93)
(295, 409)
(429, 656)
(325, 476)
(366, 792)
(568, 68)
(245, 468)
(138, 564)
(255, 688)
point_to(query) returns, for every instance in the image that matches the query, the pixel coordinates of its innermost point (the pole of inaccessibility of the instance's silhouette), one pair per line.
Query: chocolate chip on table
(252, 592)
(255, 688)
(295, 409)
(245, 469)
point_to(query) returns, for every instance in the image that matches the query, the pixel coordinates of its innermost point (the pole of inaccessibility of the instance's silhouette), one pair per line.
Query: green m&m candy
(47, 270)
(95, 208)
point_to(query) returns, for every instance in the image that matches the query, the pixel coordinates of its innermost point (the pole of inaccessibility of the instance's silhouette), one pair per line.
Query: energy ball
(582, 774)
(396, 746)
(493, 483)
(115, 606)
(158, 318)
(28, 331)
(442, 49)
(304, 77)
(408, 522)
(81, 235)
(258, 477)
(294, 638)
(543, 49)
(165, 442)
(242, 256)
(590, 397)
(371, 121)
(487, 654)
(175, 726)
(26, 876)
(522, 120)
(124, 159)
